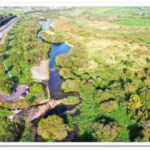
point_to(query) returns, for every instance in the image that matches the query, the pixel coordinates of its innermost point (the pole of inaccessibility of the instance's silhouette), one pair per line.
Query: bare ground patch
(41, 71)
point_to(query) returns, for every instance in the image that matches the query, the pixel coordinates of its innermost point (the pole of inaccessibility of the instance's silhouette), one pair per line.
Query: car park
(27, 89)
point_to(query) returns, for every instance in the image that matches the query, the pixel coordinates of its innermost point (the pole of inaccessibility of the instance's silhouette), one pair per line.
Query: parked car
(29, 85)
(6, 71)
(23, 95)
(27, 89)
(14, 88)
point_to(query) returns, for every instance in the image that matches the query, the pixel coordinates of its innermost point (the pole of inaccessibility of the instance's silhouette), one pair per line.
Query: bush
(10, 131)
(70, 100)
(135, 102)
(6, 85)
(52, 128)
(88, 88)
(52, 38)
(66, 73)
(70, 85)
(36, 89)
(105, 132)
(108, 106)
(101, 96)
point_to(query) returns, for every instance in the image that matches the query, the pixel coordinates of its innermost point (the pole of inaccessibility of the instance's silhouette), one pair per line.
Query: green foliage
(134, 102)
(101, 96)
(66, 73)
(9, 131)
(108, 106)
(26, 49)
(116, 83)
(36, 89)
(52, 38)
(105, 132)
(134, 105)
(136, 21)
(52, 128)
(6, 85)
(70, 85)
(28, 134)
(88, 88)
(70, 100)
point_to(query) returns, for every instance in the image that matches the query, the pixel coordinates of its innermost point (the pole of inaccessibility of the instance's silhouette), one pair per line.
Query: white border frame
(83, 3)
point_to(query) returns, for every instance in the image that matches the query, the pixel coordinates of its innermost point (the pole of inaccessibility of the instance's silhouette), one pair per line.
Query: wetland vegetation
(108, 65)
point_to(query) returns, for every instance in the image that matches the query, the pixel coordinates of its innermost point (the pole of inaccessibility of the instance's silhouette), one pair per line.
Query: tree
(10, 131)
(101, 96)
(105, 132)
(88, 88)
(6, 85)
(108, 106)
(144, 135)
(134, 106)
(134, 103)
(52, 128)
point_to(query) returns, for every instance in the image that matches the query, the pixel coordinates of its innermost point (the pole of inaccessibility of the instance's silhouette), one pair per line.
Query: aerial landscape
(74, 74)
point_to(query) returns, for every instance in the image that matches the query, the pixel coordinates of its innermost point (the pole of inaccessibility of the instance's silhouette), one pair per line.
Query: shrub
(134, 110)
(52, 128)
(108, 106)
(52, 38)
(101, 96)
(105, 132)
(88, 88)
(134, 102)
(66, 73)
(71, 85)
(6, 85)
(36, 89)
(10, 131)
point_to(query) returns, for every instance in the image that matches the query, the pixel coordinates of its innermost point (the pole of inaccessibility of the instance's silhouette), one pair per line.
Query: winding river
(55, 81)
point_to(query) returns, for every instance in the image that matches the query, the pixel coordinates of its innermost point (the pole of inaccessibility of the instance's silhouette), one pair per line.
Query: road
(5, 28)
(20, 88)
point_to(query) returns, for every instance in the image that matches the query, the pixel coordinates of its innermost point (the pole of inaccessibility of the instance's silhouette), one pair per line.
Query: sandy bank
(41, 71)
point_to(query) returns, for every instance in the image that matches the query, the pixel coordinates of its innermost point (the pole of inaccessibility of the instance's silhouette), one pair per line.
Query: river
(55, 81)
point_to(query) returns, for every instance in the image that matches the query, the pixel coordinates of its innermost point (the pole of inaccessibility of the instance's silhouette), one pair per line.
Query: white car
(27, 89)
